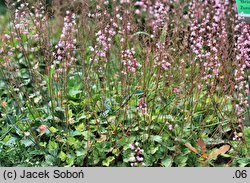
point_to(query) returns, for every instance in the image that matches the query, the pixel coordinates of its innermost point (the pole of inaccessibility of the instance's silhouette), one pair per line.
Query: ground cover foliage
(124, 83)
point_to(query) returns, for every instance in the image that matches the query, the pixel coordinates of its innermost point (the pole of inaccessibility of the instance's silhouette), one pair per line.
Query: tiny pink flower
(131, 146)
(176, 90)
(4, 104)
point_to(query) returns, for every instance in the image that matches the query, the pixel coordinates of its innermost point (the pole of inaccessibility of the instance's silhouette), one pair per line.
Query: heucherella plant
(136, 158)
(129, 61)
(25, 41)
(210, 19)
(65, 49)
(124, 83)
(242, 62)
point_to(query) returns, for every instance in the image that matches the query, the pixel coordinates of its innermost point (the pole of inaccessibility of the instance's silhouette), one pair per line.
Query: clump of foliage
(124, 83)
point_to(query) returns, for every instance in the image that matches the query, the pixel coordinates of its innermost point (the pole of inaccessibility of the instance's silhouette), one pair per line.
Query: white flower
(131, 159)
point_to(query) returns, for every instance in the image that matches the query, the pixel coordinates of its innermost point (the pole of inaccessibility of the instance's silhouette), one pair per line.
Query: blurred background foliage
(2, 7)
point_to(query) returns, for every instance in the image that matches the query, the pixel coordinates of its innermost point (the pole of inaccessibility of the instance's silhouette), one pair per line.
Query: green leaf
(247, 135)
(49, 160)
(80, 127)
(70, 160)
(156, 138)
(226, 155)
(167, 162)
(243, 162)
(107, 161)
(139, 93)
(81, 152)
(171, 148)
(75, 133)
(116, 152)
(153, 149)
(52, 145)
(71, 140)
(74, 92)
(126, 141)
(82, 116)
(62, 156)
(27, 142)
(10, 142)
(181, 160)
(148, 159)
(37, 99)
(53, 129)
(42, 144)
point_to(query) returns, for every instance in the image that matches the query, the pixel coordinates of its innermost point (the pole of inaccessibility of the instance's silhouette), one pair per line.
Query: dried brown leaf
(205, 156)
(223, 149)
(189, 146)
(202, 145)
